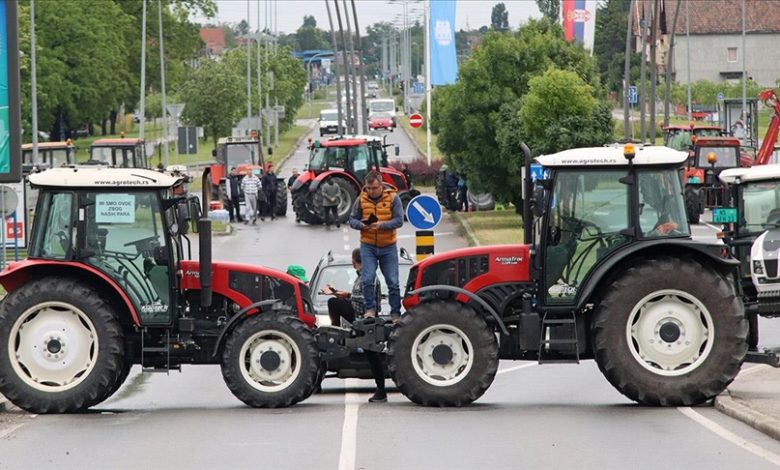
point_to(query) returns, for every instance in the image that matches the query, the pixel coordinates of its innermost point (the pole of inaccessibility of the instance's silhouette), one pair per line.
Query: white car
(383, 106)
(329, 122)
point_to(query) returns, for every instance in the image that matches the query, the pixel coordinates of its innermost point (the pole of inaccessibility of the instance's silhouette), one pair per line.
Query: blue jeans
(386, 259)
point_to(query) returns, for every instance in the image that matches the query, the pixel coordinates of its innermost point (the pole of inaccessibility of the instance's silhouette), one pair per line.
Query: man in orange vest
(378, 214)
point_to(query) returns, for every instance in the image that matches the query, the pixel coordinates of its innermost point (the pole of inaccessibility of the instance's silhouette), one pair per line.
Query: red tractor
(50, 155)
(347, 160)
(119, 153)
(109, 283)
(679, 137)
(707, 158)
(246, 155)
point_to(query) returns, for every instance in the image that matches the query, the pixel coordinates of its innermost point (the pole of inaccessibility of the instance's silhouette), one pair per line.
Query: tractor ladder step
(156, 351)
(549, 357)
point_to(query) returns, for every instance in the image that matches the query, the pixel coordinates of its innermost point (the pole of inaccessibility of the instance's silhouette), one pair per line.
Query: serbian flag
(579, 21)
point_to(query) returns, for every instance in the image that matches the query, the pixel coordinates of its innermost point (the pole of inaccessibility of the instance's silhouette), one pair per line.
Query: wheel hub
(442, 354)
(669, 332)
(270, 360)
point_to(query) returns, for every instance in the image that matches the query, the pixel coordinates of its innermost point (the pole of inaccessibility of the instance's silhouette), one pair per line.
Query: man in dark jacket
(270, 187)
(233, 190)
(292, 178)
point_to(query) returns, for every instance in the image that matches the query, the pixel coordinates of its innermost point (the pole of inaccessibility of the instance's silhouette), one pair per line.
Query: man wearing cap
(296, 270)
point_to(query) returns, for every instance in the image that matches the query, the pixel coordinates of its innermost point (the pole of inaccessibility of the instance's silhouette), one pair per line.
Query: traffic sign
(424, 212)
(416, 120)
(720, 96)
(632, 95)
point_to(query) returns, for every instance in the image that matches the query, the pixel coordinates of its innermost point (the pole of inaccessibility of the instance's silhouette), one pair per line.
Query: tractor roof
(237, 140)
(49, 146)
(755, 173)
(687, 127)
(717, 142)
(128, 142)
(613, 156)
(366, 137)
(348, 142)
(103, 177)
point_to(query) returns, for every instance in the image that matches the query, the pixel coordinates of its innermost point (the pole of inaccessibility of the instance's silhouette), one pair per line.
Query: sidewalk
(754, 399)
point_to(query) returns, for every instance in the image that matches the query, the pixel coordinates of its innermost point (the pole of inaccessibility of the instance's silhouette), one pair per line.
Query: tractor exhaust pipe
(528, 189)
(204, 240)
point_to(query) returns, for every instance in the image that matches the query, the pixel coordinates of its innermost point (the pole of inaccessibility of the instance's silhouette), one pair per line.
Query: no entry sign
(415, 120)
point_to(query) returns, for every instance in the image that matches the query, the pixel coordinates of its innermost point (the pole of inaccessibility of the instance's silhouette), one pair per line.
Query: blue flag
(444, 63)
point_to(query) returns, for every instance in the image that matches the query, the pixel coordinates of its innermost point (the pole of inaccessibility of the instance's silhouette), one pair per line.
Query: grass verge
(419, 136)
(491, 228)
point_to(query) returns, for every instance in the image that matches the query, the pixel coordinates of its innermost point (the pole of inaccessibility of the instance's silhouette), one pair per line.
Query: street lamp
(308, 72)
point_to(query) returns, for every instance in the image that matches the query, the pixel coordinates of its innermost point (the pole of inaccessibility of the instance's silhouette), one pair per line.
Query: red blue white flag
(579, 21)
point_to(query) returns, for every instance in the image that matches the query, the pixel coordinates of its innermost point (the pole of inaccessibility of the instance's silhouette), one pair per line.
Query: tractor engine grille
(455, 272)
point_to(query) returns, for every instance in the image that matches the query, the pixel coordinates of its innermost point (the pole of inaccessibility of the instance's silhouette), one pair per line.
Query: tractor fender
(17, 274)
(714, 254)
(236, 318)
(470, 295)
(343, 174)
(302, 180)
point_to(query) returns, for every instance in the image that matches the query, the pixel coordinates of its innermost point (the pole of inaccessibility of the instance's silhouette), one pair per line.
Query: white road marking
(724, 433)
(717, 229)
(10, 430)
(514, 368)
(442, 234)
(352, 402)
(346, 238)
(346, 248)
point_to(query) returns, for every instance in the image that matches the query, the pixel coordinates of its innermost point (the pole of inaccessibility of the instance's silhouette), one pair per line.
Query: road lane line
(717, 229)
(10, 430)
(514, 368)
(724, 433)
(346, 238)
(352, 402)
(346, 248)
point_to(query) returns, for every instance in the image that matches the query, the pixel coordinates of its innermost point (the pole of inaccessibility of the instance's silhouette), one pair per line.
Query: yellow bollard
(425, 242)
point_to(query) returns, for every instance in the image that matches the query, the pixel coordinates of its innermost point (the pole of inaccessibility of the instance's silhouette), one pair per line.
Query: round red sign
(415, 120)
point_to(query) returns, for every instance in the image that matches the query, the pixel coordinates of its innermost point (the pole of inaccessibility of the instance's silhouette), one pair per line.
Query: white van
(383, 106)
(329, 122)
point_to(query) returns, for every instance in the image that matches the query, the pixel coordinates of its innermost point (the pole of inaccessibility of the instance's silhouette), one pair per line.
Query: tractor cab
(679, 137)
(119, 153)
(50, 155)
(353, 155)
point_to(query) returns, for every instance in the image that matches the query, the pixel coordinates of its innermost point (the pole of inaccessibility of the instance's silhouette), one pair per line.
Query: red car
(381, 121)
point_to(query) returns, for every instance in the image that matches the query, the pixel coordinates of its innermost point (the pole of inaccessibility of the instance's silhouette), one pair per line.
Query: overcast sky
(474, 13)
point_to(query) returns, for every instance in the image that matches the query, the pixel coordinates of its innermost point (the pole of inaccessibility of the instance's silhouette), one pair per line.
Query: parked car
(337, 270)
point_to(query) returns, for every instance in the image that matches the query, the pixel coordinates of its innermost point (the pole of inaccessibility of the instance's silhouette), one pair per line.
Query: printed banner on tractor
(444, 63)
(579, 21)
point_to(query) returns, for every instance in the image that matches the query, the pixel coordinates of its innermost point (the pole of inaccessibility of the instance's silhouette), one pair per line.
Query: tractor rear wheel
(349, 194)
(63, 349)
(670, 332)
(442, 354)
(302, 205)
(271, 361)
(280, 205)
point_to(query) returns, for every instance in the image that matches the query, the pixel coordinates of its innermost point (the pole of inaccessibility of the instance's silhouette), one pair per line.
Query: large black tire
(302, 205)
(692, 205)
(349, 194)
(120, 380)
(271, 361)
(435, 327)
(280, 205)
(670, 332)
(29, 378)
(480, 201)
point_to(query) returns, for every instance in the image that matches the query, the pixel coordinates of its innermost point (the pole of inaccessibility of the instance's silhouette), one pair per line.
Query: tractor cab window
(728, 157)
(760, 209)
(323, 158)
(240, 154)
(661, 204)
(125, 238)
(55, 239)
(679, 140)
(588, 212)
(359, 161)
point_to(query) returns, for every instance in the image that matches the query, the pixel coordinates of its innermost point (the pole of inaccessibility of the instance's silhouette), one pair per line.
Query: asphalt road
(557, 416)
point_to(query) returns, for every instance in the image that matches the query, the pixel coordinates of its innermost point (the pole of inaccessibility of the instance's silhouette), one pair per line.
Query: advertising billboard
(10, 112)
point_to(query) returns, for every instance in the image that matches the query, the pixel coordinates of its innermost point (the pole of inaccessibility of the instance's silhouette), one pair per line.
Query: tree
(610, 41)
(310, 38)
(499, 17)
(551, 9)
(310, 21)
(214, 98)
(477, 117)
(560, 112)
(242, 28)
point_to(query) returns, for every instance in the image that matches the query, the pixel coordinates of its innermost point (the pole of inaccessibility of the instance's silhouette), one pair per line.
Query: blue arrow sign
(423, 212)
(632, 95)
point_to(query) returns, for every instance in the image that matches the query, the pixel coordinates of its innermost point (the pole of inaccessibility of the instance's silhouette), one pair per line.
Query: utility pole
(745, 121)
(669, 65)
(34, 80)
(642, 74)
(269, 73)
(654, 69)
(335, 66)
(259, 88)
(428, 80)
(688, 52)
(384, 61)
(350, 120)
(248, 67)
(162, 84)
(627, 74)
(364, 121)
(143, 73)
(352, 70)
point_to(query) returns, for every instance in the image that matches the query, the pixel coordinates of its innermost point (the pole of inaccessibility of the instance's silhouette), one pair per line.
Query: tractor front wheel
(280, 205)
(303, 207)
(62, 347)
(348, 195)
(670, 332)
(271, 361)
(442, 354)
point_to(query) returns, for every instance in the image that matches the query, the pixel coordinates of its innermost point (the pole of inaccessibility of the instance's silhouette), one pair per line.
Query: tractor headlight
(758, 267)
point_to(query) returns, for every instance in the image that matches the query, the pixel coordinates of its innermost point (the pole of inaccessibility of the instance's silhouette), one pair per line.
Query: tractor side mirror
(397, 150)
(270, 151)
(405, 254)
(539, 201)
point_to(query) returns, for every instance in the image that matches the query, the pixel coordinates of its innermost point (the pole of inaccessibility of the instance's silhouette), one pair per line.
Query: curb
(292, 151)
(420, 153)
(470, 235)
(731, 407)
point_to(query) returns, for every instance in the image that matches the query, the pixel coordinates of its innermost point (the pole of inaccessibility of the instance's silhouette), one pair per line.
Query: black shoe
(254, 221)
(338, 225)
(378, 397)
(262, 219)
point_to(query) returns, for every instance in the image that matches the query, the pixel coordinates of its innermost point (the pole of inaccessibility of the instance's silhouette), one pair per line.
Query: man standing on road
(250, 185)
(233, 183)
(292, 178)
(270, 187)
(378, 214)
(331, 197)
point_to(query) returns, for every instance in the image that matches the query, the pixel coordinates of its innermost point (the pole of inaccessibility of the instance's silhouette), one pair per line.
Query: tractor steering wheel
(144, 245)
